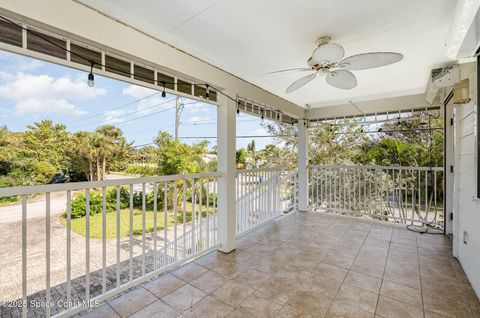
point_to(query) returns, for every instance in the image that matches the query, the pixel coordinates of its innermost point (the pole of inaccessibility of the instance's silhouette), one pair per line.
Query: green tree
(8, 150)
(44, 148)
(252, 155)
(175, 157)
(113, 148)
(241, 158)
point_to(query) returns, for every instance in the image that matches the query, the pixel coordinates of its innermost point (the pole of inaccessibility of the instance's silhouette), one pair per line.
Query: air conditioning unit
(441, 82)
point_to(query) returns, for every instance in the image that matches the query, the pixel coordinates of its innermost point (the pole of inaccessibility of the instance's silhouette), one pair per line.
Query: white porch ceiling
(251, 37)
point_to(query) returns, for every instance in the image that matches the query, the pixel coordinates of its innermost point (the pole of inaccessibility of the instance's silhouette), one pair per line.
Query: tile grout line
(383, 275)
(420, 274)
(349, 269)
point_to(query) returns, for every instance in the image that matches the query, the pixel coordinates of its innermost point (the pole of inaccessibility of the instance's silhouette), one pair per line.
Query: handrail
(27, 190)
(335, 166)
(258, 170)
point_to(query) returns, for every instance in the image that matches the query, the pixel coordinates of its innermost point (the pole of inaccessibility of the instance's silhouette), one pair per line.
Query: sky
(32, 90)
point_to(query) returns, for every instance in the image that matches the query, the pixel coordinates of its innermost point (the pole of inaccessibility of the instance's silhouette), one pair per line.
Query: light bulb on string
(164, 94)
(91, 77)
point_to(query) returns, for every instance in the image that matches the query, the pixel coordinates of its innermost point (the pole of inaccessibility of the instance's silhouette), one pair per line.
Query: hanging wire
(91, 62)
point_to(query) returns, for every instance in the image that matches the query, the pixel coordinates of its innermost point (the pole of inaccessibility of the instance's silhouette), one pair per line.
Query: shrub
(141, 170)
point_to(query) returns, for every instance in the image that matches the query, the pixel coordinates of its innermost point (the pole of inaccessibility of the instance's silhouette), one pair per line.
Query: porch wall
(466, 207)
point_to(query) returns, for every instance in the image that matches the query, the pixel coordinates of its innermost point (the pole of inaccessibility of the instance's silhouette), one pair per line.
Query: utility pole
(178, 112)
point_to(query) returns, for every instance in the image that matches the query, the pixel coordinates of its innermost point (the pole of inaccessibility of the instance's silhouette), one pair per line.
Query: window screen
(200, 91)
(10, 33)
(44, 44)
(117, 66)
(213, 95)
(87, 53)
(167, 79)
(184, 87)
(144, 74)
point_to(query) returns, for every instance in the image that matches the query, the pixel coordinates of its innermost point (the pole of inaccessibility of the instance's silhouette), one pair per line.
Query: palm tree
(113, 144)
(83, 147)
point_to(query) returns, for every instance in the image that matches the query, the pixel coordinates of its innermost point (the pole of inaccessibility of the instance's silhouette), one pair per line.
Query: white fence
(262, 195)
(183, 209)
(410, 195)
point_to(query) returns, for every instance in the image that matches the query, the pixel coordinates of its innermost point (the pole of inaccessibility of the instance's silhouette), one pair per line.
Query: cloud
(57, 106)
(138, 91)
(115, 116)
(150, 104)
(43, 94)
(261, 131)
(196, 119)
(196, 107)
(17, 63)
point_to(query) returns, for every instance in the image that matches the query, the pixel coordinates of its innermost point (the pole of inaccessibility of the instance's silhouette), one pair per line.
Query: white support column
(226, 147)
(302, 160)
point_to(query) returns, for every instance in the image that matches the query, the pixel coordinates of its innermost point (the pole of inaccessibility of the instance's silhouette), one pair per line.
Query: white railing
(168, 219)
(410, 195)
(262, 195)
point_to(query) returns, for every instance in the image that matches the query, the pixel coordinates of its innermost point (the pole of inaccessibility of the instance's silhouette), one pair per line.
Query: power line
(112, 109)
(128, 114)
(151, 114)
(213, 122)
(92, 63)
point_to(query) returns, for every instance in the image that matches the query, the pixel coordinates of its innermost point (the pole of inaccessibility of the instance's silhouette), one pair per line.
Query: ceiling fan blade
(300, 83)
(298, 69)
(369, 60)
(328, 53)
(341, 79)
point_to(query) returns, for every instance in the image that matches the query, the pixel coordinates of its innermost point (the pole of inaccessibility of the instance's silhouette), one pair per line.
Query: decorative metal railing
(410, 195)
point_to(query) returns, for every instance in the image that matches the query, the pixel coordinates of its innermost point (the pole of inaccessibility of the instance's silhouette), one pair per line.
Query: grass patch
(79, 224)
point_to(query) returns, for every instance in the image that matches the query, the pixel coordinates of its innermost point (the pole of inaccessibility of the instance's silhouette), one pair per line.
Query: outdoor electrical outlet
(465, 237)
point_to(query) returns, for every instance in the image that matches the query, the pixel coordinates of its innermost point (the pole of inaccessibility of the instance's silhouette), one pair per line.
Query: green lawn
(79, 225)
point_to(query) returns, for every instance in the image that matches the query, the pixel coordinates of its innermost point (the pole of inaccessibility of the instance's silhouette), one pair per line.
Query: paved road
(36, 206)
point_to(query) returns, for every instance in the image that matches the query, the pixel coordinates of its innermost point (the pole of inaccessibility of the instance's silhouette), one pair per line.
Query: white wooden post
(226, 147)
(302, 159)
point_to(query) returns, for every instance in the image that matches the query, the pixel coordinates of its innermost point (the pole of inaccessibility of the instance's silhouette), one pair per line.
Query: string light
(164, 94)
(261, 111)
(238, 108)
(91, 77)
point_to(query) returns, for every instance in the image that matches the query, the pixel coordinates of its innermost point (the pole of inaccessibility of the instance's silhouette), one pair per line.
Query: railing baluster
(130, 259)
(69, 246)
(144, 208)
(200, 212)
(87, 246)
(208, 211)
(165, 224)
(47, 251)
(155, 225)
(24, 255)
(118, 198)
(184, 211)
(194, 250)
(104, 240)
(175, 251)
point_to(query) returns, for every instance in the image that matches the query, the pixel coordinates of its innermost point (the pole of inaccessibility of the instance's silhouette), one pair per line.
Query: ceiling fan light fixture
(327, 59)
(328, 53)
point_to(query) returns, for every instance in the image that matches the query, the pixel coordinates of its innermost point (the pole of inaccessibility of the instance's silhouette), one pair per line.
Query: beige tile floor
(312, 265)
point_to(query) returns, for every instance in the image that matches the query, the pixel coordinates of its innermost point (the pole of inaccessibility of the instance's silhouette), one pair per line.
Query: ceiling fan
(327, 59)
